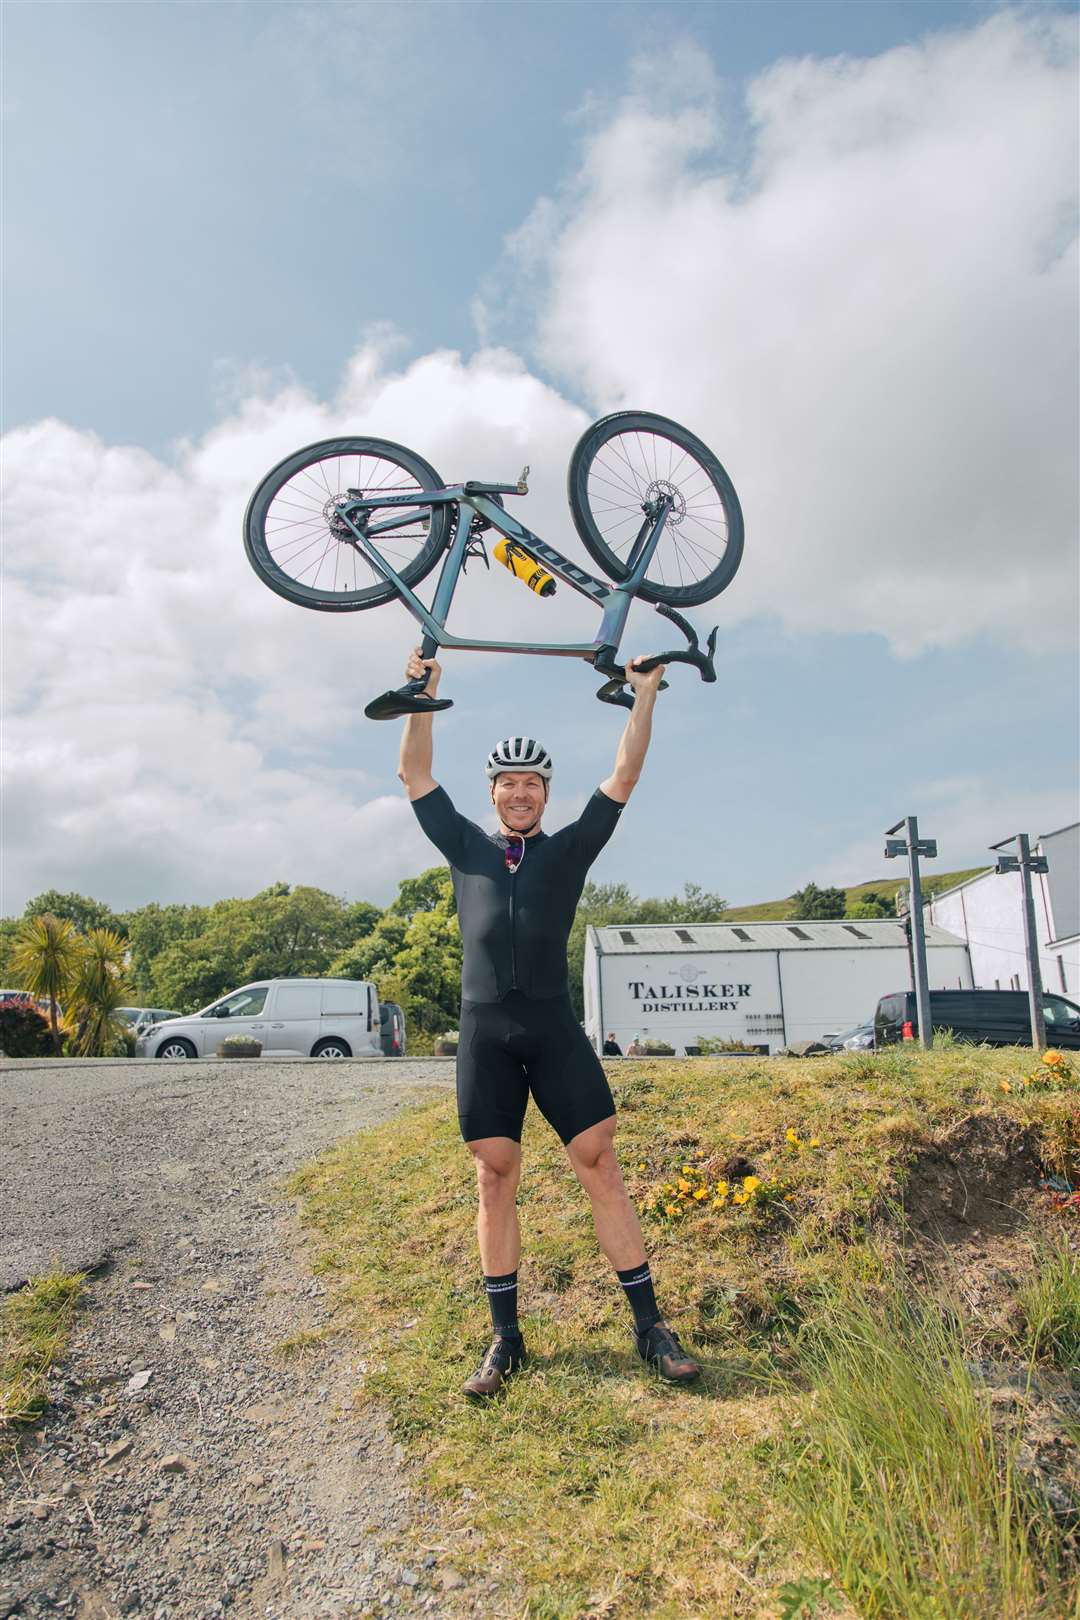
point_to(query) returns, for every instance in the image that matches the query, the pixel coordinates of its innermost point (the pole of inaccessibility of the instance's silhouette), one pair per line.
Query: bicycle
(643, 492)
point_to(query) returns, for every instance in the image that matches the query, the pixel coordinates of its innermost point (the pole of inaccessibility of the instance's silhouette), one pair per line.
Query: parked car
(325, 1018)
(141, 1018)
(996, 1017)
(23, 998)
(855, 1039)
(391, 1029)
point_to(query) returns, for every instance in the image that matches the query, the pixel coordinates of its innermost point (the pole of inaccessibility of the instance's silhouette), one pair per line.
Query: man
(611, 1045)
(517, 891)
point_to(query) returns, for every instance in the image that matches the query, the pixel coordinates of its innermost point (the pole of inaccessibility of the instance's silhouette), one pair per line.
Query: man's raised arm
(414, 767)
(634, 744)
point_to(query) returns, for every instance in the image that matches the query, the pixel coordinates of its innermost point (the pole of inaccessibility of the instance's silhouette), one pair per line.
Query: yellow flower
(1005, 1086)
(684, 1186)
(722, 1188)
(686, 1170)
(670, 1209)
(751, 1183)
(700, 1154)
(789, 1198)
(740, 1198)
(815, 1141)
(1053, 1058)
(789, 1136)
(641, 1166)
(718, 1203)
(702, 1192)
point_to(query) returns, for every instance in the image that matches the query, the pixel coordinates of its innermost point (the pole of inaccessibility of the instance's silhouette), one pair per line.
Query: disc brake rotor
(656, 492)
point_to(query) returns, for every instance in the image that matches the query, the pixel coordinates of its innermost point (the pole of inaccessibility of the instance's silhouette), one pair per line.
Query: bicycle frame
(613, 600)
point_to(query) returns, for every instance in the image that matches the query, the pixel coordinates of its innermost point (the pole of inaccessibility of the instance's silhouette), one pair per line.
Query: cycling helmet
(518, 754)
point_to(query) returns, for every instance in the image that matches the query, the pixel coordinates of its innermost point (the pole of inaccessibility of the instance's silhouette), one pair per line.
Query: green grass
(781, 910)
(593, 1488)
(34, 1326)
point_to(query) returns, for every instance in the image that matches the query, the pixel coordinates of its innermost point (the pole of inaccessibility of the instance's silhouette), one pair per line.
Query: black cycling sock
(638, 1285)
(502, 1298)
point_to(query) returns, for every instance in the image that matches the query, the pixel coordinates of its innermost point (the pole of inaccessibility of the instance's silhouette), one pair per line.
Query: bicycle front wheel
(302, 549)
(629, 460)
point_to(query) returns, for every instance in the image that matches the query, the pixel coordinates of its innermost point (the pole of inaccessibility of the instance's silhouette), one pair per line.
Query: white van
(324, 1018)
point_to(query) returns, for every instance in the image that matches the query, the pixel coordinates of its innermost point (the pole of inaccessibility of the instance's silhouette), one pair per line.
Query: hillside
(780, 910)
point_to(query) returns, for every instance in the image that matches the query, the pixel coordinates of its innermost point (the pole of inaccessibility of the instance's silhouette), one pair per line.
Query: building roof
(655, 939)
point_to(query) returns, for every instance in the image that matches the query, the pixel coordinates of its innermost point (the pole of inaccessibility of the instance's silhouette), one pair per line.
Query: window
(799, 933)
(627, 937)
(244, 1004)
(856, 931)
(684, 936)
(1061, 1014)
(740, 933)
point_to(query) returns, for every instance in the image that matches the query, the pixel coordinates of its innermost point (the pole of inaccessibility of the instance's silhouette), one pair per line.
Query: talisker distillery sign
(703, 997)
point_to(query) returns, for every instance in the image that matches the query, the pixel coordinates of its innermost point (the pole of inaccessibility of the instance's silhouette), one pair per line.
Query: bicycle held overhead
(354, 523)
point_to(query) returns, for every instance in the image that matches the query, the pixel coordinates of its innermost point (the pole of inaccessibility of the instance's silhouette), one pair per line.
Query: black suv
(993, 1017)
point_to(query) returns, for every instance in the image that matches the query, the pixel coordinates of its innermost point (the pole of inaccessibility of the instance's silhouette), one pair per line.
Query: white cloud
(966, 814)
(877, 333)
(173, 727)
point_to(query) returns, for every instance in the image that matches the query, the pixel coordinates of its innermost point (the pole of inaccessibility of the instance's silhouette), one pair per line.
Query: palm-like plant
(45, 961)
(101, 987)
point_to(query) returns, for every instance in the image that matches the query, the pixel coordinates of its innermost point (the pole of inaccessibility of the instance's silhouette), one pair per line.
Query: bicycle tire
(607, 497)
(277, 555)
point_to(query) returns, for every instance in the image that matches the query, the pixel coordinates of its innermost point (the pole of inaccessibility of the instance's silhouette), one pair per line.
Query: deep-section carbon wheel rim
(633, 457)
(300, 549)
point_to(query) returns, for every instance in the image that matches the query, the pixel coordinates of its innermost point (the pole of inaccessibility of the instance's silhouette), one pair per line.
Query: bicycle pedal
(394, 705)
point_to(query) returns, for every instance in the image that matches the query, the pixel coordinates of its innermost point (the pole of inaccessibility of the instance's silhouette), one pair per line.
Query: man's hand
(644, 683)
(414, 671)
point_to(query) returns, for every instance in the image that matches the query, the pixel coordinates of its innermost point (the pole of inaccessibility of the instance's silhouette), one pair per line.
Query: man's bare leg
(498, 1171)
(592, 1154)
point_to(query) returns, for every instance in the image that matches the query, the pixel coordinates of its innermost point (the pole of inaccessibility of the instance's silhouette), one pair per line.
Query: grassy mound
(882, 1282)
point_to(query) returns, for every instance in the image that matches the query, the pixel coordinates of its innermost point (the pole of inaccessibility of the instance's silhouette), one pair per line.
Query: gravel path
(185, 1469)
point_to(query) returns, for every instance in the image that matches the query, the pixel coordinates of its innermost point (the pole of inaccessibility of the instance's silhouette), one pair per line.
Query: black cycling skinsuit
(518, 1031)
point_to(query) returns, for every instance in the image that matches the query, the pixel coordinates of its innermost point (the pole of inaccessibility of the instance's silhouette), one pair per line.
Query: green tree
(428, 966)
(813, 904)
(423, 893)
(9, 928)
(279, 933)
(360, 919)
(373, 956)
(872, 904)
(101, 986)
(45, 961)
(79, 910)
(150, 930)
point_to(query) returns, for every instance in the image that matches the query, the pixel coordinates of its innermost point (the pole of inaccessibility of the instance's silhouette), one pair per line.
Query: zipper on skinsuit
(513, 944)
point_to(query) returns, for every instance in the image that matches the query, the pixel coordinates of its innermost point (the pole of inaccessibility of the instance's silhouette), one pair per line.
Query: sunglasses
(514, 857)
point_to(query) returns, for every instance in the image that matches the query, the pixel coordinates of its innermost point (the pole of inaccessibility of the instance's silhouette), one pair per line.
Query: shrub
(24, 1032)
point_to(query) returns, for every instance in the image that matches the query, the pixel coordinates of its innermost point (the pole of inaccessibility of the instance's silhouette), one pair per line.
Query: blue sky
(837, 240)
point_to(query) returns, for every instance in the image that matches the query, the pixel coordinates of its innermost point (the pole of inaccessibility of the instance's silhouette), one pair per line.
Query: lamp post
(1025, 863)
(912, 846)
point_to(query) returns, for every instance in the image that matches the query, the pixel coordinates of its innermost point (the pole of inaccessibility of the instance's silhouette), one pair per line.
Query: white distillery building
(764, 983)
(987, 912)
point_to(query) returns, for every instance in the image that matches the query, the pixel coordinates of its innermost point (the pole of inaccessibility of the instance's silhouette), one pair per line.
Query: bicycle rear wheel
(632, 458)
(301, 549)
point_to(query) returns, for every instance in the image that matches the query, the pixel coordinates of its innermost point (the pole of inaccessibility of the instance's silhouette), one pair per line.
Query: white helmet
(518, 754)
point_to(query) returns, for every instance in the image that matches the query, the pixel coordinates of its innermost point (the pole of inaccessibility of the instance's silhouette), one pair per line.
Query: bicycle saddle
(392, 705)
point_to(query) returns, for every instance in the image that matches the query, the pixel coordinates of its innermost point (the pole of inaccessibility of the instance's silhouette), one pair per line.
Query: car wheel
(331, 1048)
(175, 1047)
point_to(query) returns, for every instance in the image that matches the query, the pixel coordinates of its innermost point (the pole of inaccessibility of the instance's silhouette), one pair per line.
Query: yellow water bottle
(524, 567)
